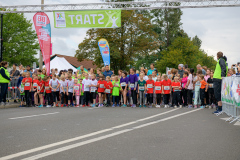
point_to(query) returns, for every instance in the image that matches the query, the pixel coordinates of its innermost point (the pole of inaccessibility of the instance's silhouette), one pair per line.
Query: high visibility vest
(2, 79)
(218, 70)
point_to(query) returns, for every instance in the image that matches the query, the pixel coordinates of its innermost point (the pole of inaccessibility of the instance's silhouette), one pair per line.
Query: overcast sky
(218, 28)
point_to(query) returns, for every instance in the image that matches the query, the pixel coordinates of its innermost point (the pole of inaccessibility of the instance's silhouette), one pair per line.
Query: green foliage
(132, 41)
(184, 51)
(19, 40)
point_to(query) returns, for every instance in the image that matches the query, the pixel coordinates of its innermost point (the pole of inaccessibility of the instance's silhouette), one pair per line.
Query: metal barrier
(231, 98)
(13, 91)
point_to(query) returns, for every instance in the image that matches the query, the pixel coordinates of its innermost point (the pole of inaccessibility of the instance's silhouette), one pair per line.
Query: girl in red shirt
(108, 90)
(149, 89)
(40, 90)
(176, 85)
(34, 89)
(47, 90)
(166, 90)
(158, 90)
(101, 89)
(27, 82)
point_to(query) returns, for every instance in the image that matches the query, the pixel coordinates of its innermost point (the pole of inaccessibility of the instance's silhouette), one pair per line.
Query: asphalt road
(116, 134)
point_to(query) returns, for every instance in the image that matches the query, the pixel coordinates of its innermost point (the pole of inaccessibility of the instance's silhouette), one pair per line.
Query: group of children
(122, 90)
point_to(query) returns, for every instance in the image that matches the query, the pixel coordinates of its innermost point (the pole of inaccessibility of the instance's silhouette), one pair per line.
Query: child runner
(27, 82)
(184, 89)
(86, 82)
(34, 89)
(158, 91)
(149, 90)
(132, 83)
(166, 89)
(203, 89)
(63, 90)
(47, 90)
(101, 89)
(115, 92)
(76, 91)
(211, 91)
(176, 92)
(108, 90)
(82, 93)
(70, 84)
(40, 91)
(189, 87)
(55, 85)
(124, 87)
(94, 85)
(22, 94)
(141, 90)
(196, 82)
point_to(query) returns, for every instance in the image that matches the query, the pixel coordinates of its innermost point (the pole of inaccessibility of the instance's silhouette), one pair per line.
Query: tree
(19, 40)
(133, 40)
(184, 51)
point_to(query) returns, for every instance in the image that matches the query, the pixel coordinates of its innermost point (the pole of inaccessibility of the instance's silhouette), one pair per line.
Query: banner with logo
(87, 19)
(236, 91)
(43, 29)
(105, 51)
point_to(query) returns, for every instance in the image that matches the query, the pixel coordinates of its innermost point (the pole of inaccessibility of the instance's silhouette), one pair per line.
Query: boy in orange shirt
(149, 89)
(202, 89)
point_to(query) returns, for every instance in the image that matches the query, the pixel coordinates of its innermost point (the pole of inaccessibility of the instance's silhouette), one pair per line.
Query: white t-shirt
(154, 78)
(70, 85)
(86, 83)
(64, 85)
(94, 82)
(190, 86)
(54, 84)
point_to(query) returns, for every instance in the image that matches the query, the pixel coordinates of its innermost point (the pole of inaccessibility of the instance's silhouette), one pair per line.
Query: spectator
(103, 69)
(238, 73)
(232, 72)
(4, 80)
(21, 69)
(180, 70)
(107, 72)
(151, 70)
(14, 74)
(28, 69)
(200, 67)
(220, 72)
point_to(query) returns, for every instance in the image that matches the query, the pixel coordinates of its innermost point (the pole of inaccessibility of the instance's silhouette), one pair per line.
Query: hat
(181, 65)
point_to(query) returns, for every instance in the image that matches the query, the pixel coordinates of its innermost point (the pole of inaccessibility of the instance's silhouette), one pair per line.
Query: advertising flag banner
(43, 29)
(87, 19)
(105, 51)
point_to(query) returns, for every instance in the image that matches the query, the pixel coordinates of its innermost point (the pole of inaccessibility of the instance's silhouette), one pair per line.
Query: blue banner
(105, 51)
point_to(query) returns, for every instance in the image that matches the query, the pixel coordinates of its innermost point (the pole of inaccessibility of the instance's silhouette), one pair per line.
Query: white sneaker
(48, 106)
(54, 106)
(168, 106)
(157, 106)
(175, 106)
(209, 107)
(180, 106)
(165, 106)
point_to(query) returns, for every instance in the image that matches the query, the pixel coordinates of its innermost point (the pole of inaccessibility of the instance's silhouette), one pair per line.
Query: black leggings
(177, 98)
(134, 96)
(64, 96)
(202, 96)
(189, 96)
(86, 97)
(27, 97)
(159, 98)
(55, 95)
(150, 98)
(211, 96)
(184, 91)
(166, 98)
(48, 95)
(108, 98)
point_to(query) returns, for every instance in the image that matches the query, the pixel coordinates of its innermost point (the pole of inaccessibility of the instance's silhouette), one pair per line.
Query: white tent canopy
(61, 64)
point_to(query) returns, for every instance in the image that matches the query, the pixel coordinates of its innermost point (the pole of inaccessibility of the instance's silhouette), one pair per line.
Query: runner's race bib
(149, 86)
(116, 85)
(210, 85)
(54, 87)
(107, 90)
(87, 86)
(131, 85)
(158, 88)
(70, 87)
(39, 88)
(27, 84)
(22, 89)
(93, 89)
(76, 88)
(101, 85)
(141, 88)
(123, 84)
(166, 88)
(65, 89)
(35, 85)
(47, 88)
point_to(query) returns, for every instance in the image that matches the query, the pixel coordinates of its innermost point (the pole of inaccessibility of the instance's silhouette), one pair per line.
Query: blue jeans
(117, 99)
(3, 93)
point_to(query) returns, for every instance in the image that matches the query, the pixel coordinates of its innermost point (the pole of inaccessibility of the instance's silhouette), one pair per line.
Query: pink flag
(43, 29)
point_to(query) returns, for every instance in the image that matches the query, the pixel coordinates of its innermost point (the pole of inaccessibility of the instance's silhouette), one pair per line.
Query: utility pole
(40, 53)
(1, 46)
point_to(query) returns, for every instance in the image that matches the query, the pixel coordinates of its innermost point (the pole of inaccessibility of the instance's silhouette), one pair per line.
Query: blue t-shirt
(107, 73)
(150, 71)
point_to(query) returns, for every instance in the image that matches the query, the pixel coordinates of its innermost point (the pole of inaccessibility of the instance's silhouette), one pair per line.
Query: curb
(10, 106)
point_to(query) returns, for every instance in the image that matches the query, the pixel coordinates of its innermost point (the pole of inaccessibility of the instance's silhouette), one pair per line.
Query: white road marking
(45, 154)
(237, 123)
(34, 115)
(77, 138)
